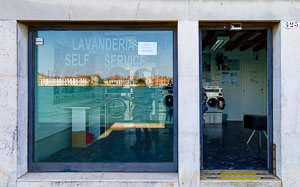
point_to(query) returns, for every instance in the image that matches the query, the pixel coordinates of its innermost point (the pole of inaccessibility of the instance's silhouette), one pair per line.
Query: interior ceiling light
(236, 27)
(221, 41)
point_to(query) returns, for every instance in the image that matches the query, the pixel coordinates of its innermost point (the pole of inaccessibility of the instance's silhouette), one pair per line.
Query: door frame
(268, 28)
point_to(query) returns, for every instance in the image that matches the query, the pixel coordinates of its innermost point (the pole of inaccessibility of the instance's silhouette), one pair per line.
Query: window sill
(99, 177)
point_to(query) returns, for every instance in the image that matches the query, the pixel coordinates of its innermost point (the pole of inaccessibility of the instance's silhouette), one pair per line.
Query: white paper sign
(39, 41)
(230, 78)
(292, 25)
(147, 48)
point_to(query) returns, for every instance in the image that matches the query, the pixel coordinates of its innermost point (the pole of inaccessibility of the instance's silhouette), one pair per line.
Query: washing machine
(167, 103)
(117, 104)
(215, 105)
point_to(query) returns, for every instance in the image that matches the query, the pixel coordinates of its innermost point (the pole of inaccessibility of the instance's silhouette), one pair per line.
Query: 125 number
(291, 25)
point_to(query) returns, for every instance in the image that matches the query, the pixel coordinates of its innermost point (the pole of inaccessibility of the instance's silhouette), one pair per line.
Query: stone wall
(150, 10)
(8, 103)
(290, 106)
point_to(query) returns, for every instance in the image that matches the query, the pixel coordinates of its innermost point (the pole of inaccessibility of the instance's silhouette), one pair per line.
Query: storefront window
(104, 96)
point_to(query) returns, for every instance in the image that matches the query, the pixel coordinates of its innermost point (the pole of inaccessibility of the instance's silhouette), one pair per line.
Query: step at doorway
(249, 178)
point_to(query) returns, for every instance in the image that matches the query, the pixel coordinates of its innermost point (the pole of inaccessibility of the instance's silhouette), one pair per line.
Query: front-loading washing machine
(215, 104)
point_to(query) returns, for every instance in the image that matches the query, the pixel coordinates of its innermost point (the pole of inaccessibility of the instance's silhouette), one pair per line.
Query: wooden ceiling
(241, 40)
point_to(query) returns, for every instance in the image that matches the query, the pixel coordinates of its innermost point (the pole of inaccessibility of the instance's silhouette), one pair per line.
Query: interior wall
(233, 95)
(52, 144)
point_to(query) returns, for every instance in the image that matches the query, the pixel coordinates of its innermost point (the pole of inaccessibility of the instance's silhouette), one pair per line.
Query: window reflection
(104, 96)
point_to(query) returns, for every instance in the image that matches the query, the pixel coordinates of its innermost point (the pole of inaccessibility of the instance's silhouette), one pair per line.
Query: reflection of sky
(57, 44)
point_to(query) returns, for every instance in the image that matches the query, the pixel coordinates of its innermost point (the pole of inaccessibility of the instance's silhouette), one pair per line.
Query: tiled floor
(225, 147)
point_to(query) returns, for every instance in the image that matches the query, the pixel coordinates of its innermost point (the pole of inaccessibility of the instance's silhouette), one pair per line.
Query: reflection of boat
(129, 85)
(122, 85)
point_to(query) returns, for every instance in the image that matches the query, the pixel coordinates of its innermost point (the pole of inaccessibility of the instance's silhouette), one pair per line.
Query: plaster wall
(150, 10)
(290, 106)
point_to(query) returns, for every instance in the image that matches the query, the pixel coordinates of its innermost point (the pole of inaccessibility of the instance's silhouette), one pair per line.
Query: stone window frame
(99, 167)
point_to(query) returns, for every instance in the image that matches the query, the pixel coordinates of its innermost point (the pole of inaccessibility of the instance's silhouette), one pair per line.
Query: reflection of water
(116, 101)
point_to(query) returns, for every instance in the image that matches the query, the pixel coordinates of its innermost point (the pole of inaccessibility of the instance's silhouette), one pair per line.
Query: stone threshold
(249, 178)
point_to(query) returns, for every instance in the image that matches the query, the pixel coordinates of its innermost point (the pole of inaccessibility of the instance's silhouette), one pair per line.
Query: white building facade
(17, 17)
(74, 81)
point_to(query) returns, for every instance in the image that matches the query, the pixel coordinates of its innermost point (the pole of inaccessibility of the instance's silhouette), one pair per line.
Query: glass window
(104, 96)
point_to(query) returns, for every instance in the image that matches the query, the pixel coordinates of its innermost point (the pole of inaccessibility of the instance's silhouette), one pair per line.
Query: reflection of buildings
(116, 80)
(159, 81)
(95, 80)
(82, 80)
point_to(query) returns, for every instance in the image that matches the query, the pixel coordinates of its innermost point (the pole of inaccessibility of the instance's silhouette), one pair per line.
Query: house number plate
(292, 25)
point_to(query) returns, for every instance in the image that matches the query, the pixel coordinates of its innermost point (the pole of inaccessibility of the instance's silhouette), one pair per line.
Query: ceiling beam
(231, 45)
(208, 39)
(259, 47)
(232, 35)
(254, 41)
